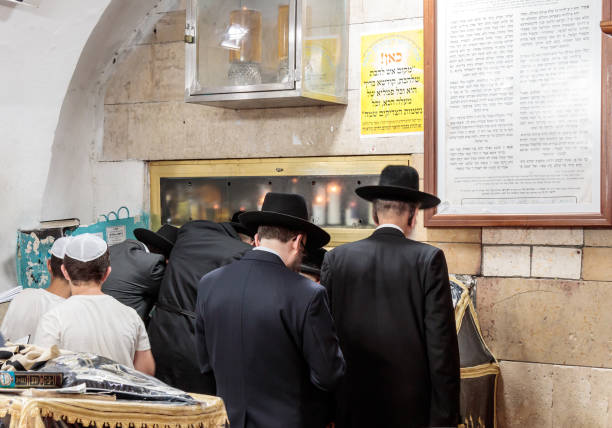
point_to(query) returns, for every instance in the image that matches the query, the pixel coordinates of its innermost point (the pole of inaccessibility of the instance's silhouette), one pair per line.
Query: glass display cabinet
(266, 53)
(213, 190)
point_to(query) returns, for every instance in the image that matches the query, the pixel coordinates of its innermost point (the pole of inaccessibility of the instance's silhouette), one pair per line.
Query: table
(18, 411)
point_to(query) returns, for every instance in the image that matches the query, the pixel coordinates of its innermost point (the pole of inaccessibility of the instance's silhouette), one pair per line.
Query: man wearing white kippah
(26, 309)
(91, 321)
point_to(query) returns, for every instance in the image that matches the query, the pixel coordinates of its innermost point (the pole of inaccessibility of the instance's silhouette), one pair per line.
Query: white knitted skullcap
(59, 246)
(86, 247)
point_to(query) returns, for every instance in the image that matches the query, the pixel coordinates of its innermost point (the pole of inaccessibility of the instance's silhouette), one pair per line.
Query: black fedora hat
(285, 210)
(312, 261)
(398, 183)
(163, 239)
(239, 227)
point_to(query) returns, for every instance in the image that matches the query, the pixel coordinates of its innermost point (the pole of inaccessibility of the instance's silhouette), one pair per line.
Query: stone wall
(542, 294)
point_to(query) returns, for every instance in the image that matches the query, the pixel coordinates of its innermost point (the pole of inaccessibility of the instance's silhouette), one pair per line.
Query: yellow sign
(392, 89)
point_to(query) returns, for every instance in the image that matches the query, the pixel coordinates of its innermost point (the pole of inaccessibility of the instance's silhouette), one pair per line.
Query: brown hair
(397, 207)
(93, 270)
(56, 267)
(275, 232)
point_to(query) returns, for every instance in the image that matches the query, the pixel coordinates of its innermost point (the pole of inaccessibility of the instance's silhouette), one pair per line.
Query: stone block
(598, 237)
(524, 395)
(116, 134)
(542, 395)
(506, 261)
(171, 6)
(132, 80)
(461, 258)
(547, 321)
(169, 71)
(280, 132)
(532, 236)
(170, 27)
(435, 234)
(556, 262)
(597, 264)
(578, 400)
(156, 130)
(355, 33)
(384, 10)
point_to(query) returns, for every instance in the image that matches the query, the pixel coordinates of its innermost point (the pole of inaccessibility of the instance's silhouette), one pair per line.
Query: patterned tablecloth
(39, 412)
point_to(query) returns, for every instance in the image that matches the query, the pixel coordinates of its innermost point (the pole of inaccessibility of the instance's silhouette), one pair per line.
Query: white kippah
(59, 246)
(86, 247)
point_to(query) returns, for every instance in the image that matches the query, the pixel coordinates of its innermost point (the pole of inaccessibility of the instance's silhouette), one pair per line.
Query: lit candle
(333, 204)
(247, 24)
(319, 205)
(350, 218)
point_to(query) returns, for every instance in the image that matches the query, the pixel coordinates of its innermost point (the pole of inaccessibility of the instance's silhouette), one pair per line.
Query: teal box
(114, 228)
(34, 246)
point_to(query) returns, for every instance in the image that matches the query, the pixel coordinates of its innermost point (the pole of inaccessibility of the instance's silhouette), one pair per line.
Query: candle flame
(216, 206)
(319, 199)
(294, 180)
(333, 188)
(353, 204)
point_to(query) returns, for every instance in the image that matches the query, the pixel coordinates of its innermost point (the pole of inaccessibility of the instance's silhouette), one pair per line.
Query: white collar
(269, 250)
(395, 226)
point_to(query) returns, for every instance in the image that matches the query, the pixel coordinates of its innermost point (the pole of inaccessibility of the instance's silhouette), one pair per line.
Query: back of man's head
(384, 209)
(86, 259)
(278, 233)
(58, 251)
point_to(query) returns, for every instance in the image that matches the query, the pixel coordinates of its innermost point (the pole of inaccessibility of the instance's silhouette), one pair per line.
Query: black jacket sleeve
(321, 347)
(201, 350)
(326, 276)
(442, 347)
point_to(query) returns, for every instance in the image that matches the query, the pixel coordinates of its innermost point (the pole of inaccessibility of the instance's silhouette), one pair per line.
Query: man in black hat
(247, 236)
(311, 264)
(160, 242)
(138, 268)
(264, 330)
(200, 247)
(390, 297)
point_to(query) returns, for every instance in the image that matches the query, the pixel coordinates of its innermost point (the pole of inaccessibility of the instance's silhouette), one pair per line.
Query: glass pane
(242, 42)
(325, 43)
(332, 201)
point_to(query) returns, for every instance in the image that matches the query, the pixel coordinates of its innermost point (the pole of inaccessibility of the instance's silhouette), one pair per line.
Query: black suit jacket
(267, 334)
(390, 298)
(135, 276)
(201, 246)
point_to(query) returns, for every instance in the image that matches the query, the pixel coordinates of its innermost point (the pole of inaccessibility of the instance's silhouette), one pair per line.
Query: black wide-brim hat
(239, 227)
(398, 183)
(163, 239)
(312, 261)
(286, 210)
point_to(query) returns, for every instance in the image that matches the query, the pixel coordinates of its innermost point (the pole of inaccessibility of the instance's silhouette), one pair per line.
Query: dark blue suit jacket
(267, 334)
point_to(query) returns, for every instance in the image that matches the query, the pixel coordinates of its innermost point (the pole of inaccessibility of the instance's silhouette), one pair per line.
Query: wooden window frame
(433, 219)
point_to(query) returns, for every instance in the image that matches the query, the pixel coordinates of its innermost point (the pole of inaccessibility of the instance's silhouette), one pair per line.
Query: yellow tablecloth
(27, 412)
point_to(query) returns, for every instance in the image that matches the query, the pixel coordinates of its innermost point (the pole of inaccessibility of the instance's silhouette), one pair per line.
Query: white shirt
(395, 226)
(99, 324)
(25, 310)
(268, 250)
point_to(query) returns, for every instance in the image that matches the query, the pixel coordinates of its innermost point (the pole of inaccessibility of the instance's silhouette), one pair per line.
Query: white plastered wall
(53, 67)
